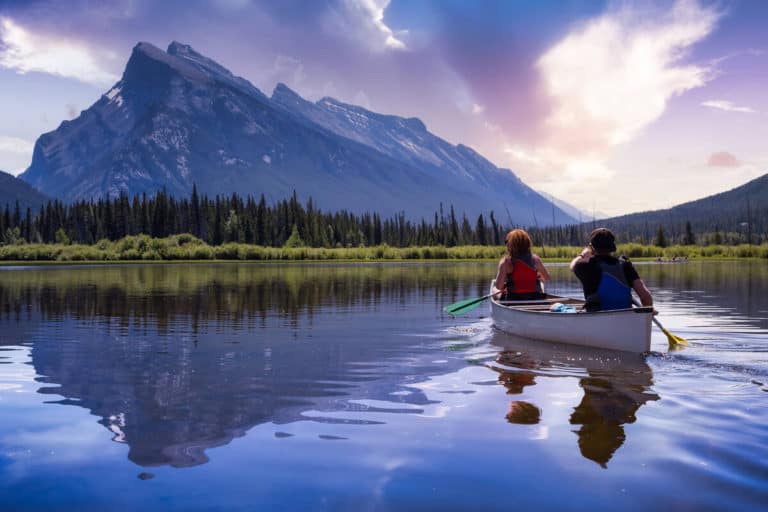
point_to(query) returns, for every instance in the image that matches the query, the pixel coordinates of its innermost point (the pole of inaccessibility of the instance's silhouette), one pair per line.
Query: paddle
(465, 306)
(673, 340)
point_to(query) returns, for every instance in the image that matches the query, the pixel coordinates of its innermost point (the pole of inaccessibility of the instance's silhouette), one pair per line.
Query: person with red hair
(521, 272)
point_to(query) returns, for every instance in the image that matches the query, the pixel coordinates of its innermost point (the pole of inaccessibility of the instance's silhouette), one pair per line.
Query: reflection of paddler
(520, 412)
(515, 380)
(610, 401)
(616, 387)
(523, 413)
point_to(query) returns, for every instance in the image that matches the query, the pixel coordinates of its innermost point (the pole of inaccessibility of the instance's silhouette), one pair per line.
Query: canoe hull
(627, 329)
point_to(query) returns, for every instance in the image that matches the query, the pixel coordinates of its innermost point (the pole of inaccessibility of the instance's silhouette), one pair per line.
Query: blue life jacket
(613, 292)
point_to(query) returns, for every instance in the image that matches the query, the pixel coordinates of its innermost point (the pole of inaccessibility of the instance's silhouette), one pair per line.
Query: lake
(344, 387)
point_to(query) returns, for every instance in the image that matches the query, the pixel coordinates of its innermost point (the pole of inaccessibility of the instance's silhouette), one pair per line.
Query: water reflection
(231, 294)
(615, 386)
(732, 291)
(174, 360)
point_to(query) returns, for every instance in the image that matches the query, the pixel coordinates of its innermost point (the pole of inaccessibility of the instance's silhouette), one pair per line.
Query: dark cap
(602, 240)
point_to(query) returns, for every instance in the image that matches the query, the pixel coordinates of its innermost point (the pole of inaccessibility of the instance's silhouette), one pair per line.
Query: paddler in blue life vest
(607, 281)
(521, 272)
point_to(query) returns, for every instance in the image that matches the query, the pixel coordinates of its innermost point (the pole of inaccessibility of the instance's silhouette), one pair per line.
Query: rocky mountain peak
(179, 118)
(282, 94)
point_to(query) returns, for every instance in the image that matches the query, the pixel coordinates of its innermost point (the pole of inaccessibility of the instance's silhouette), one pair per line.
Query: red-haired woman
(520, 271)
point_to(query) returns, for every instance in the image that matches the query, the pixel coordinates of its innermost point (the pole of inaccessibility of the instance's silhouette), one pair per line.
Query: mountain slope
(13, 189)
(178, 118)
(726, 211)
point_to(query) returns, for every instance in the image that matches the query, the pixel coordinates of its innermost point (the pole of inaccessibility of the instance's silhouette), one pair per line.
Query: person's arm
(583, 257)
(501, 280)
(642, 291)
(543, 274)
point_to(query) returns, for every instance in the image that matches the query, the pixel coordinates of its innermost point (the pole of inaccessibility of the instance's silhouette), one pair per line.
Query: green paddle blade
(464, 306)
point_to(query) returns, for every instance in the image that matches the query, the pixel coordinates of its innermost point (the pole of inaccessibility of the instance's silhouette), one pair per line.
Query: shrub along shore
(188, 248)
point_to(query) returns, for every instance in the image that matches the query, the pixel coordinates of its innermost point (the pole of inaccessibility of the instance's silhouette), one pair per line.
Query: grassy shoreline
(188, 249)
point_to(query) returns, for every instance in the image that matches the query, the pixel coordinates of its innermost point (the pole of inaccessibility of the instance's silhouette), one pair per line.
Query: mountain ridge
(13, 189)
(177, 118)
(723, 211)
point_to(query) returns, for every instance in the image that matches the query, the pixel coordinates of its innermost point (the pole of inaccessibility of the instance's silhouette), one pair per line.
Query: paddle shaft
(465, 305)
(655, 320)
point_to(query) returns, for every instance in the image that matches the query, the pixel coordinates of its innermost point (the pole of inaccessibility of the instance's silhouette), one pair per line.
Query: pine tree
(688, 238)
(295, 239)
(480, 230)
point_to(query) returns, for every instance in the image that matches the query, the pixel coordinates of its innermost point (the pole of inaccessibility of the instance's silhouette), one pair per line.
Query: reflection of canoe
(622, 329)
(615, 386)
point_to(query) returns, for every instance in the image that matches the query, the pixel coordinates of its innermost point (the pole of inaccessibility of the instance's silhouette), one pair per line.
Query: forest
(289, 223)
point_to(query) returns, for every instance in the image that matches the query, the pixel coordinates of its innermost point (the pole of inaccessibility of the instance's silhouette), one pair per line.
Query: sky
(612, 106)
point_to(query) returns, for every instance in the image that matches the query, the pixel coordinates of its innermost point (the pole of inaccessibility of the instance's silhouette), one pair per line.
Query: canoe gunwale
(620, 329)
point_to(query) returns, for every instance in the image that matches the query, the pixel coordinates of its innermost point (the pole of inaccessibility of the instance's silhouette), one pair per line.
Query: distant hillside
(13, 189)
(726, 212)
(571, 210)
(177, 118)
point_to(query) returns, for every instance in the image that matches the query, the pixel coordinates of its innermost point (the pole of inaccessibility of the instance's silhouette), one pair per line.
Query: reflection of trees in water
(731, 286)
(119, 342)
(231, 293)
(617, 385)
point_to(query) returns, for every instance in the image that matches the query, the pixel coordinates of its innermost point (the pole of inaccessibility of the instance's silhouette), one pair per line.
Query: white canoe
(622, 329)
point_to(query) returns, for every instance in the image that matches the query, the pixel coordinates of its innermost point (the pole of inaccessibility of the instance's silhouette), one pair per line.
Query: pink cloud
(723, 159)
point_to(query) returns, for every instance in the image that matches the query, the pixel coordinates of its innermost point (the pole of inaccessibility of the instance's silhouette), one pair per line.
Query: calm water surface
(344, 387)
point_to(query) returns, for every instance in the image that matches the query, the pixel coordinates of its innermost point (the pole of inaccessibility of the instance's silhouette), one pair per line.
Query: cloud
(362, 99)
(288, 70)
(24, 52)
(15, 153)
(727, 106)
(15, 145)
(363, 20)
(478, 109)
(610, 78)
(723, 159)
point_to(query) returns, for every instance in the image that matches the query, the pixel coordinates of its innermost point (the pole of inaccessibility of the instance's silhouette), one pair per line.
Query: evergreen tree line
(288, 222)
(233, 218)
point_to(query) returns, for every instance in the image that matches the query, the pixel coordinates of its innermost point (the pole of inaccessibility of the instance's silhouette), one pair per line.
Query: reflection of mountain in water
(172, 371)
(615, 387)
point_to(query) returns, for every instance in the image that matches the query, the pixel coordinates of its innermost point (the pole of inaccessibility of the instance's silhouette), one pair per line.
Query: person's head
(518, 243)
(602, 241)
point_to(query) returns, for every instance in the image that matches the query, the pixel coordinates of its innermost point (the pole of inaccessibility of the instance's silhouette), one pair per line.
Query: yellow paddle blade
(674, 340)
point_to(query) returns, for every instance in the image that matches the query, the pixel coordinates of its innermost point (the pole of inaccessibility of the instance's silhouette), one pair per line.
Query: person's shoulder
(582, 264)
(629, 269)
(625, 260)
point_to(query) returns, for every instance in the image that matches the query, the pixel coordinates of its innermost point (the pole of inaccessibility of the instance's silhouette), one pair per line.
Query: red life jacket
(524, 278)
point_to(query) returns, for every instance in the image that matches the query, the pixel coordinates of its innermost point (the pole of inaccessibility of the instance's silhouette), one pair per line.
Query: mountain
(728, 211)
(571, 210)
(177, 118)
(13, 189)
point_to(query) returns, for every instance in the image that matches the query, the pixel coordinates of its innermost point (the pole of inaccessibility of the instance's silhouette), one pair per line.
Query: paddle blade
(674, 340)
(464, 306)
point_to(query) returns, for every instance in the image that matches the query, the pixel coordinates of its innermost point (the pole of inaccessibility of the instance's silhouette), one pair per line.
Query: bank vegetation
(190, 248)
